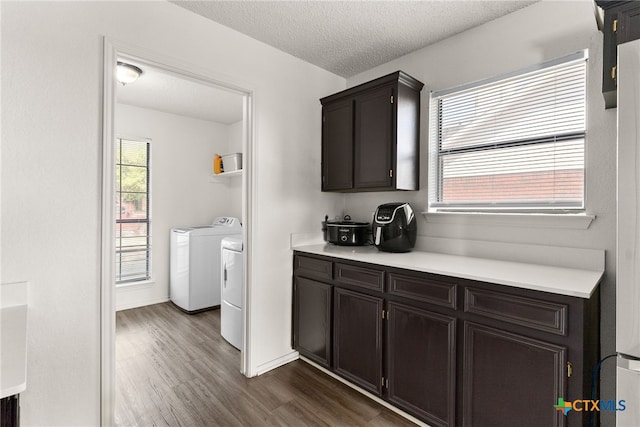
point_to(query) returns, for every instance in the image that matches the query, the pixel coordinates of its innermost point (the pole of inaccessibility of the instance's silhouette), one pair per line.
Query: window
(511, 144)
(132, 211)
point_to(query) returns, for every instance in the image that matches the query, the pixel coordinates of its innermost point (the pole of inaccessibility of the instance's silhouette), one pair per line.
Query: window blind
(512, 143)
(133, 245)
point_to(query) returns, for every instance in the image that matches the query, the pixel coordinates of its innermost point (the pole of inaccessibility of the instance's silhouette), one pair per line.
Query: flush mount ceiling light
(127, 73)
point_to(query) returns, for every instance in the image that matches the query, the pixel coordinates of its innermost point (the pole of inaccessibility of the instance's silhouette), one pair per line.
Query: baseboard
(140, 304)
(276, 363)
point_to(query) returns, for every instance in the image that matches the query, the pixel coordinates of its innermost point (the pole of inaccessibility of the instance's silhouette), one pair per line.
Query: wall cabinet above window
(371, 136)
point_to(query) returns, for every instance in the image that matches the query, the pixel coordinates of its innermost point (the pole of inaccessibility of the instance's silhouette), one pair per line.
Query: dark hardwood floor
(174, 369)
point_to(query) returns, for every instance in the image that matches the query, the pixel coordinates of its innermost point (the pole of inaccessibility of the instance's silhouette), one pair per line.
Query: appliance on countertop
(194, 273)
(394, 227)
(346, 232)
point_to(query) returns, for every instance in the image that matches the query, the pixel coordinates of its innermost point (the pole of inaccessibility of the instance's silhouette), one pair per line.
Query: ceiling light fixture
(127, 73)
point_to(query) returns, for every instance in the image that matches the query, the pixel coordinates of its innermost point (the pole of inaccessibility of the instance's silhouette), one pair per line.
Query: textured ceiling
(349, 37)
(344, 37)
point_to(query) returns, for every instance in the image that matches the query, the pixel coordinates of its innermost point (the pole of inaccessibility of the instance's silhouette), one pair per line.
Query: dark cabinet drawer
(364, 277)
(423, 289)
(532, 313)
(312, 267)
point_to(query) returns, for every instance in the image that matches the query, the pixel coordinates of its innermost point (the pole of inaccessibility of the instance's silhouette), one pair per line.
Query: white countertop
(13, 338)
(558, 280)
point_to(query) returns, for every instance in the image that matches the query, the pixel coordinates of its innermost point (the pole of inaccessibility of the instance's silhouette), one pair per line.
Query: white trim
(276, 363)
(526, 220)
(107, 256)
(113, 50)
(141, 283)
(249, 206)
(138, 304)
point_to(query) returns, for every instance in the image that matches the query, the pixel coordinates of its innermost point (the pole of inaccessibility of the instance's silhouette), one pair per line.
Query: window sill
(135, 284)
(537, 220)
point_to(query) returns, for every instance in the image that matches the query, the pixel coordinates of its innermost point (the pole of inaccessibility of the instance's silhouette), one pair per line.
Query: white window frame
(148, 277)
(434, 173)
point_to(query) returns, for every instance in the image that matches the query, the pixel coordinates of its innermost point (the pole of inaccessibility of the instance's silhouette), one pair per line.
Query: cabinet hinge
(614, 26)
(569, 369)
(392, 99)
(614, 72)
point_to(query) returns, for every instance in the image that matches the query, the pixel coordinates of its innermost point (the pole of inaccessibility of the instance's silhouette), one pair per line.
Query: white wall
(532, 35)
(234, 184)
(182, 191)
(51, 176)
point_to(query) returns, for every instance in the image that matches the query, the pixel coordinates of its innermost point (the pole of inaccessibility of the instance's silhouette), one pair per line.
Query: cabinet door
(511, 380)
(374, 139)
(628, 27)
(312, 320)
(357, 337)
(421, 354)
(337, 145)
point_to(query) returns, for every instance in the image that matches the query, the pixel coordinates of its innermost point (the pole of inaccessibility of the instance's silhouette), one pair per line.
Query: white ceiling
(344, 37)
(349, 37)
(160, 90)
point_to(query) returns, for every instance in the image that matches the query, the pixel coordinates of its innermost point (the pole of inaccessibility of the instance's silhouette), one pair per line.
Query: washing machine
(194, 277)
(232, 278)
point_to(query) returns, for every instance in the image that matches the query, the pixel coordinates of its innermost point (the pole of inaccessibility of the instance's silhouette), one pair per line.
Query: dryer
(232, 279)
(194, 277)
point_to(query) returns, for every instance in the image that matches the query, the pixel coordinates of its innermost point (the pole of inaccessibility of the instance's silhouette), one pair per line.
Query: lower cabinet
(357, 335)
(10, 411)
(510, 379)
(312, 320)
(421, 363)
(449, 351)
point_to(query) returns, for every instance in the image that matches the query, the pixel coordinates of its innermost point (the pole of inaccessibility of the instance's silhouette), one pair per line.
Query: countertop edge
(571, 282)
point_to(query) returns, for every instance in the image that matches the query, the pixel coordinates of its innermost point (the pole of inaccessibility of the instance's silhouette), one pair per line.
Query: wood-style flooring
(174, 369)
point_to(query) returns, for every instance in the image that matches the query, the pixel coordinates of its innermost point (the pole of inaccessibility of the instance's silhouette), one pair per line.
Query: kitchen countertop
(558, 280)
(13, 335)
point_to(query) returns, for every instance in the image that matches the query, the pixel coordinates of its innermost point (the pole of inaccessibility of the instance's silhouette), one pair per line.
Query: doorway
(202, 88)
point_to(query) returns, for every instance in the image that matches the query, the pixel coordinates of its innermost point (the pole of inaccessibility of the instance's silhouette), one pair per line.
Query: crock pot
(346, 232)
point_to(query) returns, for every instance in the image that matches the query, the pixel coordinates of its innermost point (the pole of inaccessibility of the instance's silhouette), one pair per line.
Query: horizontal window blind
(513, 143)
(133, 246)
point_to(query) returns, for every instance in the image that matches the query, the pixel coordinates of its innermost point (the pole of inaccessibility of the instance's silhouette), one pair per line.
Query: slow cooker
(346, 232)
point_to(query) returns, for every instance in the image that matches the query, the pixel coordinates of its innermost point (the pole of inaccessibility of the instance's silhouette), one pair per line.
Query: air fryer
(394, 227)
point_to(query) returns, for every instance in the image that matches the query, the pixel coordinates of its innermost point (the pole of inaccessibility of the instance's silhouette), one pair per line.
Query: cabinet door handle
(614, 26)
(614, 70)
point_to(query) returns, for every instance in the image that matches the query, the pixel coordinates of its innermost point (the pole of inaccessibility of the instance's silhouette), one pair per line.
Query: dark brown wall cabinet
(371, 136)
(621, 24)
(451, 352)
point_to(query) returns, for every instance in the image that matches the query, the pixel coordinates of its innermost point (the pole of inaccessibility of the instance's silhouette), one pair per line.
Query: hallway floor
(174, 369)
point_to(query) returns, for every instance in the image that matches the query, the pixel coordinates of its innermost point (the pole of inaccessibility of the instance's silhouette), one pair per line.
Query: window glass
(512, 143)
(133, 244)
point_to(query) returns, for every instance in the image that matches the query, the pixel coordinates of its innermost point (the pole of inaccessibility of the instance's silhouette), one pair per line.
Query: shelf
(218, 176)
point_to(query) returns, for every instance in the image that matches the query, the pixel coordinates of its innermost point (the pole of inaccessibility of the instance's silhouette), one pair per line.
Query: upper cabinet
(371, 136)
(621, 24)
